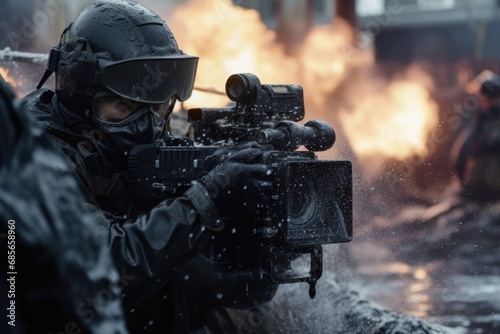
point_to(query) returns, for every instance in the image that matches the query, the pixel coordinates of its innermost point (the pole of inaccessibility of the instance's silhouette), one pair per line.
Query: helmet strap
(54, 57)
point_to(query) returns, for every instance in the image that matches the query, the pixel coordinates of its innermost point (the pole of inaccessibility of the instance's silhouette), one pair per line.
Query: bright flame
(15, 84)
(324, 60)
(230, 39)
(390, 119)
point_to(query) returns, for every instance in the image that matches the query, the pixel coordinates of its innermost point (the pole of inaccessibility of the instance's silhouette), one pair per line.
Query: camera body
(311, 200)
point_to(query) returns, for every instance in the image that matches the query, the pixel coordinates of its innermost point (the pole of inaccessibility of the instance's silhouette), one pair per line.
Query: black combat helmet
(117, 53)
(122, 47)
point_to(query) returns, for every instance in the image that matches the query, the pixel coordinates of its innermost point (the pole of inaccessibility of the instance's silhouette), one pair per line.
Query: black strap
(52, 62)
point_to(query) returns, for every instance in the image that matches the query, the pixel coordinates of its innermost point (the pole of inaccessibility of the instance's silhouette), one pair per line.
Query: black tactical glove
(234, 188)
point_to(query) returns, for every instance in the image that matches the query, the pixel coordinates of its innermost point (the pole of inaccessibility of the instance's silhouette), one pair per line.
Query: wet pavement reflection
(437, 262)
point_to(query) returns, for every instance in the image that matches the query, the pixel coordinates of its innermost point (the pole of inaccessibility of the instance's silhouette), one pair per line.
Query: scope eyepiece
(243, 87)
(288, 135)
(318, 136)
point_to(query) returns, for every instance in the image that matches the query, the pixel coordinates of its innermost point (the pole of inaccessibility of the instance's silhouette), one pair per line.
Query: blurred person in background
(476, 152)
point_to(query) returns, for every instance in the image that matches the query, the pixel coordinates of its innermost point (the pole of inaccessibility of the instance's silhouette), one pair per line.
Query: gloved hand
(224, 153)
(231, 189)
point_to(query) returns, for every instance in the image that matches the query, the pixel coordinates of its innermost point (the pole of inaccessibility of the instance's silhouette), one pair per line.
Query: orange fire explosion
(390, 121)
(14, 83)
(230, 39)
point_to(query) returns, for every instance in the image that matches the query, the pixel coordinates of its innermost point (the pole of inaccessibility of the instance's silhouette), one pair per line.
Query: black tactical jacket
(147, 248)
(57, 274)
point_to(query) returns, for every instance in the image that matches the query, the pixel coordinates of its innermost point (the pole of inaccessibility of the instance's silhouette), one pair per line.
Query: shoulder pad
(38, 101)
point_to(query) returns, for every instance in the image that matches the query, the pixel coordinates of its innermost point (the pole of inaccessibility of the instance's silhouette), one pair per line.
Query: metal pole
(27, 57)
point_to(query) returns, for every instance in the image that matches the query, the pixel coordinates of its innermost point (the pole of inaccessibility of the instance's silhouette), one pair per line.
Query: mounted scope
(263, 113)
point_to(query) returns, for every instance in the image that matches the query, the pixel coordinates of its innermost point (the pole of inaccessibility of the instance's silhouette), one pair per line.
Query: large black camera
(311, 200)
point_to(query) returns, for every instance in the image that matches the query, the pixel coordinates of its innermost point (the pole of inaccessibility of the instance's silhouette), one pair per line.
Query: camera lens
(302, 203)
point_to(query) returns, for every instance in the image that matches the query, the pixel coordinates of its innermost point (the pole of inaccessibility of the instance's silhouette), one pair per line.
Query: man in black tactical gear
(57, 277)
(119, 72)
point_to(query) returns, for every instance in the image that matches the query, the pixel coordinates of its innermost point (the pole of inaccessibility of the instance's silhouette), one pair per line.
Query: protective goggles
(115, 110)
(145, 80)
(150, 80)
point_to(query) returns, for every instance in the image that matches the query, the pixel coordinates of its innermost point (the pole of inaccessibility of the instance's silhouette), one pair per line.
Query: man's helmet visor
(151, 80)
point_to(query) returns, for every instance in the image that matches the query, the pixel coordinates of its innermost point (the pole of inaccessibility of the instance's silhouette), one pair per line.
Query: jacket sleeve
(148, 249)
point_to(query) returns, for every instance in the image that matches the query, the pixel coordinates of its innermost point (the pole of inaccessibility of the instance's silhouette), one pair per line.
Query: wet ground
(440, 262)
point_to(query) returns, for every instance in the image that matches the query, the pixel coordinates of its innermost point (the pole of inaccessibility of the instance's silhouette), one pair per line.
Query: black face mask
(144, 124)
(119, 138)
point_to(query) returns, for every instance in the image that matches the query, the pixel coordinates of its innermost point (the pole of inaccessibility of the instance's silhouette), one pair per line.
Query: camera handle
(280, 274)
